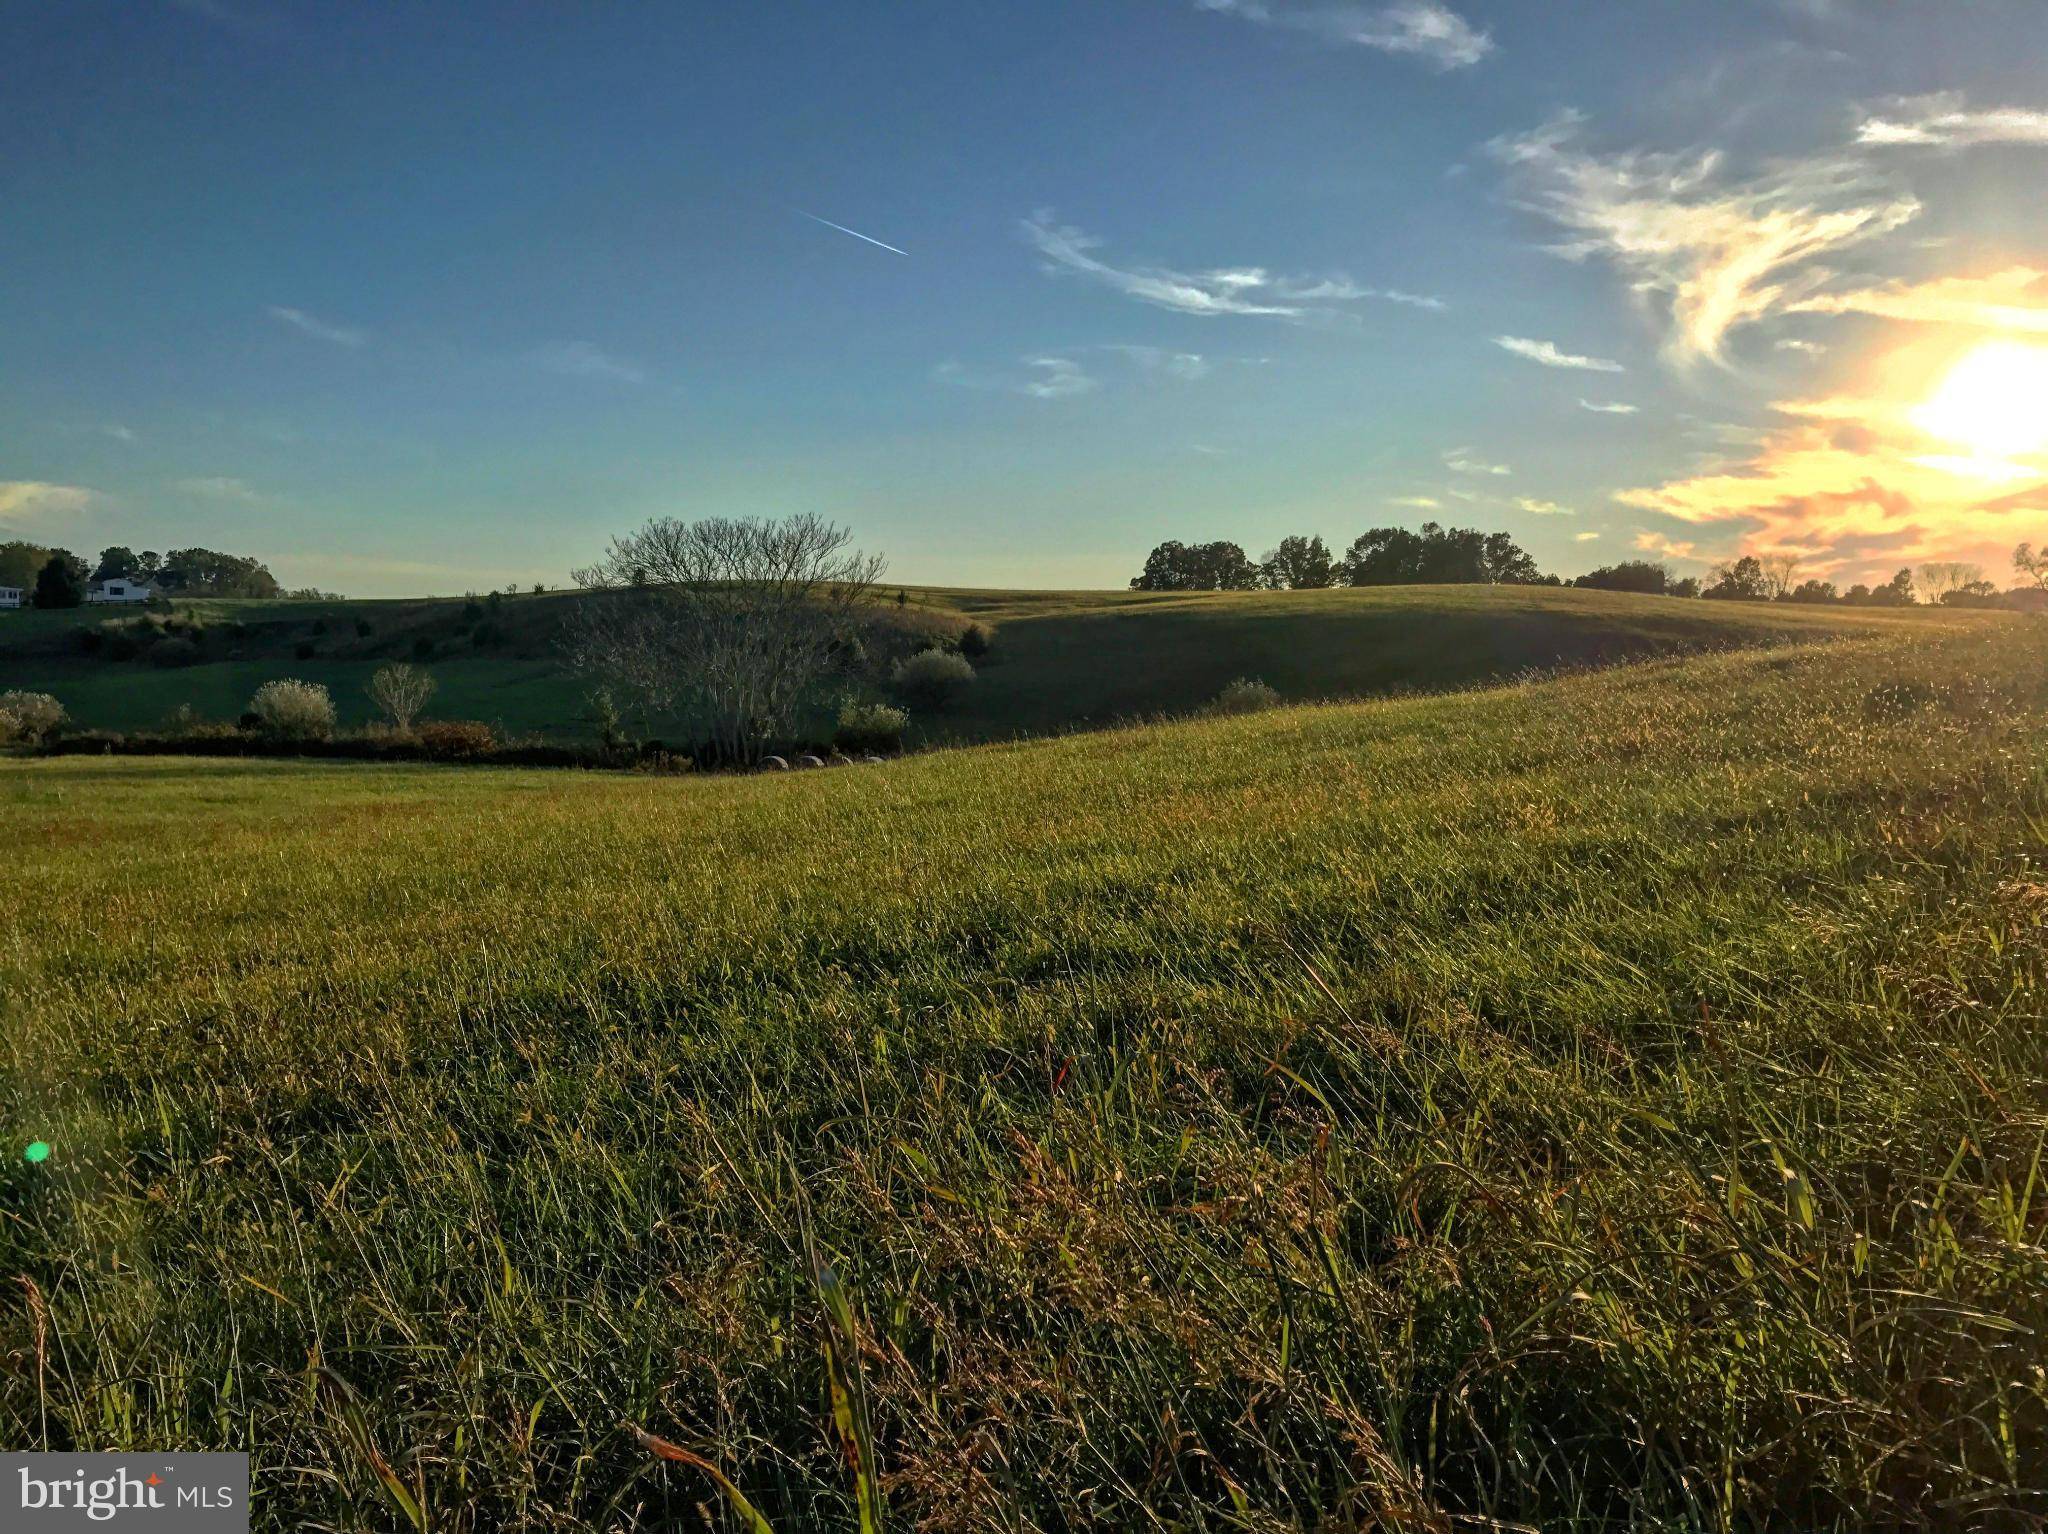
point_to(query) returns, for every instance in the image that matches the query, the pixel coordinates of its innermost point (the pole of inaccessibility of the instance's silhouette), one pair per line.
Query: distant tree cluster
(1641, 575)
(59, 578)
(1775, 578)
(1382, 556)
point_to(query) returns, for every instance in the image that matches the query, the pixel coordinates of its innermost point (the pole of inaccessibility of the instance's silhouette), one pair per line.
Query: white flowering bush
(293, 710)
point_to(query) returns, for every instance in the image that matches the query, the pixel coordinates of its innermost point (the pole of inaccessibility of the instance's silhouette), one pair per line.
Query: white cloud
(1187, 366)
(1420, 29)
(1663, 547)
(218, 487)
(1607, 407)
(1044, 376)
(1804, 348)
(1546, 352)
(117, 431)
(24, 501)
(1722, 253)
(1584, 537)
(318, 329)
(580, 359)
(1417, 502)
(1544, 508)
(1242, 290)
(2015, 299)
(1460, 460)
(1057, 378)
(1945, 122)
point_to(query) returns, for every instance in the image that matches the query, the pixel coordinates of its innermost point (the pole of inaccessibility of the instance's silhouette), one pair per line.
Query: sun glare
(1993, 402)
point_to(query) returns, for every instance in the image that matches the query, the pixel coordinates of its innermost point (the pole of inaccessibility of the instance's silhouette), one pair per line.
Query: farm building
(120, 588)
(10, 596)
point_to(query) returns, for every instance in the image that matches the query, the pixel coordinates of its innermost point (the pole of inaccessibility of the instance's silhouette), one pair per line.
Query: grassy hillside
(1611, 1101)
(1063, 659)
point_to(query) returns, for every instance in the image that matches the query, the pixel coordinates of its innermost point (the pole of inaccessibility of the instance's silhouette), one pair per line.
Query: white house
(120, 588)
(10, 596)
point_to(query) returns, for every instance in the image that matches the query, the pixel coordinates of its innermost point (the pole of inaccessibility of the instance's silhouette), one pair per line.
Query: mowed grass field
(1062, 660)
(1610, 1101)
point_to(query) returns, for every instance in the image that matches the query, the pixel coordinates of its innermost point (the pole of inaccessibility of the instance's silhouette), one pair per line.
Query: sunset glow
(1994, 402)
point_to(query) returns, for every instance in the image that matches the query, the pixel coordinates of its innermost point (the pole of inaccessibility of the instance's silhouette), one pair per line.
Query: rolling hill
(1062, 660)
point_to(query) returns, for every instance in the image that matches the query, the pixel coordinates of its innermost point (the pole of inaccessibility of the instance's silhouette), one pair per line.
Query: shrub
(292, 710)
(319, 625)
(934, 678)
(122, 645)
(1246, 695)
(177, 651)
(90, 640)
(363, 628)
(401, 693)
(975, 640)
(456, 739)
(423, 647)
(30, 716)
(304, 649)
(870, 727)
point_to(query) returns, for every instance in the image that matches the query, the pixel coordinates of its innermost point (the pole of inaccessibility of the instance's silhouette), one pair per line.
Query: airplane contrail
(844, 230)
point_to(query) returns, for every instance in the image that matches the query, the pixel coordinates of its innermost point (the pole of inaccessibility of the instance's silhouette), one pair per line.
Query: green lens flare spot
(38, 1150)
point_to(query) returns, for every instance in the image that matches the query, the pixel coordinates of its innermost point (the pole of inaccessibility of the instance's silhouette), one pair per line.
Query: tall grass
(1612, 1101)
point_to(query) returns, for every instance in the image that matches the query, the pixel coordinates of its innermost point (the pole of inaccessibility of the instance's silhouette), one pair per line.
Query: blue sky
(428, 297)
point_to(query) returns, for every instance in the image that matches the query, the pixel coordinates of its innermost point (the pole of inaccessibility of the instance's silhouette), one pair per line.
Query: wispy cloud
(1546, 352)
(882, 244)
(1058, 378)
(1537, 508)
(1462, 460)
(117, 431)
(1584, 537)
(1043, 375)
(1803, 347)
(1607, 407)
(580, 359)
(1418, 28)
(1721, 252)
(2014, 299)
(28, 501)
(1416, 502)
(1238, 290)
(1187, 366)
(218, 487)
(1945, 121)
(319, 329)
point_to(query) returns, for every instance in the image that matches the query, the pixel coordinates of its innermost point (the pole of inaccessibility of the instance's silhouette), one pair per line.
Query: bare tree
(2033, 566)
(401, 691)
(737, 618)
(1938, 580)
(1781, 574)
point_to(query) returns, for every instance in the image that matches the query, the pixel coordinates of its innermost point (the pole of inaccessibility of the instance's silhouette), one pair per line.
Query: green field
(1062, 660)
(1611, 1101)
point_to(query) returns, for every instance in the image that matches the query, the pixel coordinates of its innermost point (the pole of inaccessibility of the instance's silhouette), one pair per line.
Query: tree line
(1452, 556)
(60, 578)
(1381, 556)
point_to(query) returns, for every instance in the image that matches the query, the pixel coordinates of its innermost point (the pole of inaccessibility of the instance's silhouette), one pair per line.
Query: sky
(416, 298)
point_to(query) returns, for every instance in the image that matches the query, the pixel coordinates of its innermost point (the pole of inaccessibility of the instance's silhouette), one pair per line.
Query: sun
(1994, 401)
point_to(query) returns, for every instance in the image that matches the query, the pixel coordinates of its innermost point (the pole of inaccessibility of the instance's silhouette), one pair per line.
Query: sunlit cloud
(1942, 456)
(1236, 290)
(1607, 407)
(1421, 29)
(1537, 508)
(1720, 252)
(1462, 460)
(29, 502)
(320, 330)
(2014, 299)
(1584, 537)
(1547, 353)
(1945, 122)
(1416, 502)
